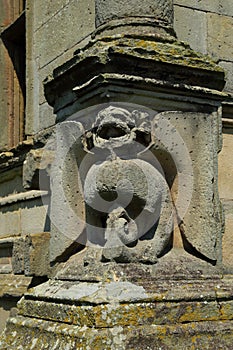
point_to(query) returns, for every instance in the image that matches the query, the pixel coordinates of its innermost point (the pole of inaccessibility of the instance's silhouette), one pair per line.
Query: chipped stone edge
(18, 197)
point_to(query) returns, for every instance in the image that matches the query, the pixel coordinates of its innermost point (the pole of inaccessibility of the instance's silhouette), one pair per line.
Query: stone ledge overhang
(110, 87)
(147, 56)
(14, 286)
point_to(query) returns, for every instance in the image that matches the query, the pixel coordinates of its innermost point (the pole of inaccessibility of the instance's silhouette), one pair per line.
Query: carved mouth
(111, 130)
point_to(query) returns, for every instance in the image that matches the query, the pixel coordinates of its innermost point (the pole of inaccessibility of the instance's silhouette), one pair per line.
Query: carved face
(116, 128)
(125, 195)
(114, 123)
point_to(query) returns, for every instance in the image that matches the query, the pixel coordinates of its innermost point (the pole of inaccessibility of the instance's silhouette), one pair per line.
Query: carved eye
(111, 130)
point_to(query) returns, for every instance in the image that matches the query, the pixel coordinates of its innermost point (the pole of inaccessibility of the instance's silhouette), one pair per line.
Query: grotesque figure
(128, 203)
(117, 184)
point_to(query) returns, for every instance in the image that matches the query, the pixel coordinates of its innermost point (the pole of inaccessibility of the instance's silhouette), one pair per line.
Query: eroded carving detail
(128, 205)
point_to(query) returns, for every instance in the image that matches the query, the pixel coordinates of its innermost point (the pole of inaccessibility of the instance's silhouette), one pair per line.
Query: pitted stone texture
(36, 254)
(110, 9)
(140, 188)
(220, 40)
(191, 26)
(67, 206)
(133, 186)
(228, 68)
(36, 161)
(92, 293)
(202, 223)
(227, 252)
(58, 38)
(44, 335)
(125, 317)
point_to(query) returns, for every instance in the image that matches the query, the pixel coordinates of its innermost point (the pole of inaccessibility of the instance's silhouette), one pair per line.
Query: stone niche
(136, 221)
(129, 182)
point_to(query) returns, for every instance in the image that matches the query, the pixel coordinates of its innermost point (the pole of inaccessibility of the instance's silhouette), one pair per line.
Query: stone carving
(123, 178)
(128, 206)
(131, 193)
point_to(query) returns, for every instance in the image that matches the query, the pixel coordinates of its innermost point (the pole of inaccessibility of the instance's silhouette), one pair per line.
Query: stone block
(225, 169)
(36, 258)
(13, 286)
(9, 222)
(43, 11)
(11, 182)
(191, 26)
(34, 169)
(227, 240)
(223, 7)
(23, 213)
(64, 30)
(18, 256)
(220, 38)
(228, 68)
(123, 315)
(46, 116)
(207, 6)
(160, 9)
(33, 217)
(38, 113)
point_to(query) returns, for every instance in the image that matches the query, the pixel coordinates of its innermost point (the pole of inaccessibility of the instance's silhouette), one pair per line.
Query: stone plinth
(136, 221)
(152, 314)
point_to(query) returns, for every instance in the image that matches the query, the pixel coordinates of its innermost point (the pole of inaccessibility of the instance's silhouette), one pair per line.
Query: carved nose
(112, 130)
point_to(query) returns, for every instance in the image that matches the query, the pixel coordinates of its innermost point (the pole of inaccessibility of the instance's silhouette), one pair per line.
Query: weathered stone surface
(40, 334)
(30, 255)
(153, 320)
(36, 254)
(9, 222)
(123, 315)
(198, 207)
(44, 12)
(169, 317)
(202, 222)
(54, 23)
(183, 66)
(33, 217)
(23, 213)
(47, 117)
(36, 161)
(13, 285)
(220, 40)
(11, 181)
(107, 10)
(18, 252)
(226, 166)
(228, 68)
(227, 252)
(223, 7)
(66, 195)
(58, 38)
(191, 26)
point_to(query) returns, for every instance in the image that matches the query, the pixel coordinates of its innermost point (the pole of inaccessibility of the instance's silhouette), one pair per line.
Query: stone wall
(54, 30)
(208, 26)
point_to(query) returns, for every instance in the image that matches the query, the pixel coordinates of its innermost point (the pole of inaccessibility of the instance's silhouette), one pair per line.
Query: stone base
(175, 314)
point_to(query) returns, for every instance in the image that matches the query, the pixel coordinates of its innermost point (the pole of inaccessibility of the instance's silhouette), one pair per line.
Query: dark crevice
(189, 248)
